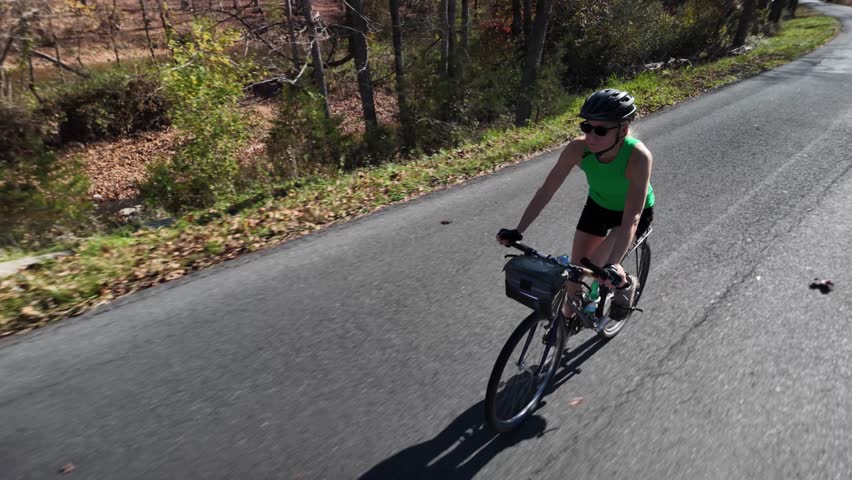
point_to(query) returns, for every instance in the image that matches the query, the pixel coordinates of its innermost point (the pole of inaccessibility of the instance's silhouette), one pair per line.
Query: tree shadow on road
(466, 445)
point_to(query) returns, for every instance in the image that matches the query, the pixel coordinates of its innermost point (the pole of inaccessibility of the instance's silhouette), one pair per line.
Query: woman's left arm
(639, 175)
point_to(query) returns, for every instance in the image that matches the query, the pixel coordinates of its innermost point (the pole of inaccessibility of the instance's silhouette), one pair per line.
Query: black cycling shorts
(597, 220)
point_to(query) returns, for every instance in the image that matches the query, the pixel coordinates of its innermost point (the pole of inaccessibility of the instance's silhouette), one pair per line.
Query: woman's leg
(604, 250)
(585, 245)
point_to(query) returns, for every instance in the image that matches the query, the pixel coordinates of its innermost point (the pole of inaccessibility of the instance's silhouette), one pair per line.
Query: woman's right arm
(570, 157)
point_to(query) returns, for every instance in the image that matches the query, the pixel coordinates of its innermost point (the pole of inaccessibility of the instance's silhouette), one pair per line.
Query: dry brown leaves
(116, 168)
(347, 104)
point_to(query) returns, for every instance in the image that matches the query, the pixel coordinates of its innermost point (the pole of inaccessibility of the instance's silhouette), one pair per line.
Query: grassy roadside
(104, 268)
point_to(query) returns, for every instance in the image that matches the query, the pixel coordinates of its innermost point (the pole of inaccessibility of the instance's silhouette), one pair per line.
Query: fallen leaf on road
(67, 468)
(824, 286)
(446, 222)
(574, 402)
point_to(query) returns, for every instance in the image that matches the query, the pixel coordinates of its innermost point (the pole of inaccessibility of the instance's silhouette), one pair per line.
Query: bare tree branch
(250, 30)
(340, 62)
(59, 63)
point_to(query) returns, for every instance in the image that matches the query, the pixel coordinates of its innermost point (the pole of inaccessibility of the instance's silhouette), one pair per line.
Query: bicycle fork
(549, 340)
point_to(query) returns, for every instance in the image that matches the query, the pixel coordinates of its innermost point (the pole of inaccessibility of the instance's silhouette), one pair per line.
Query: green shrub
(376, 147)
(492, 79)
(604, 38)
(21, 138)
(706, 27)
(204, 86)
(110, 104)
(40, 197)
(303, 141)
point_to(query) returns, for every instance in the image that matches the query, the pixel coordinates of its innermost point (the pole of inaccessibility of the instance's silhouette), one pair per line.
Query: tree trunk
(316, 55)
(532, 57)
(527, 19)
(442, 67)
(406, 119)
(517, 19)
(167, 27)
(291, 34)
(358, 47)
(745, 20)
(451, 39)
(113, 26)
(452, 62)
(775, 12)
(7, 48)
(147, 26)
(465, 36)
(31, 81)
(762, 4)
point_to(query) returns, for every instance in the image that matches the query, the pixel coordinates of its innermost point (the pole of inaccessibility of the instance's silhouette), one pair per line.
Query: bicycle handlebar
(598, 271)
(588, 267)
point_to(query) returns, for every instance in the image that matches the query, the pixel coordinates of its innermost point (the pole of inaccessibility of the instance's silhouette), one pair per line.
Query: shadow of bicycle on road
(466, 445)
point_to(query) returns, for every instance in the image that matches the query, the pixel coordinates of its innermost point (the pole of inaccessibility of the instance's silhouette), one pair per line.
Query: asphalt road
(364, 350)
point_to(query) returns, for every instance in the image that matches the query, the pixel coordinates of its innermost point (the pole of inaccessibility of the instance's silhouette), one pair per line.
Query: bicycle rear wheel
(642, 265)
(638, 263)
(523, 371)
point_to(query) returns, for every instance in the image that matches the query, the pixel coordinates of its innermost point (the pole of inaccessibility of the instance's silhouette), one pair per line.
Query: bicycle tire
(492, 393)
(643, 265)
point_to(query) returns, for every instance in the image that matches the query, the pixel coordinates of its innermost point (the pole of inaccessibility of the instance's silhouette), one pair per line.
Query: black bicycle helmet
(609, 105)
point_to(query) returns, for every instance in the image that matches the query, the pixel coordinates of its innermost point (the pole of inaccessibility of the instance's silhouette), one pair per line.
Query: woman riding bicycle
(620, 203)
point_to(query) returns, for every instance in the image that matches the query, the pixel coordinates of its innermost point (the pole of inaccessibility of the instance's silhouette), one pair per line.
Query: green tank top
(607, 182)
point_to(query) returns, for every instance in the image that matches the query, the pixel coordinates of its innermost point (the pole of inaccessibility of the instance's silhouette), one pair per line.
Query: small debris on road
(824, 286)
(575, 402)
(446, 222)
(67, 468)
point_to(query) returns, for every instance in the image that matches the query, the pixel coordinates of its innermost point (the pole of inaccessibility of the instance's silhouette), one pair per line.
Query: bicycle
(541, 283)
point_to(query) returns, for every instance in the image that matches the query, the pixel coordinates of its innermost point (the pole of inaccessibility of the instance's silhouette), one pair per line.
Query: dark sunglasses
(599, 130)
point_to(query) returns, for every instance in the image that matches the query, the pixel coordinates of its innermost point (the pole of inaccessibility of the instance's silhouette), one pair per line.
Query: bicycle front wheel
(523, 371)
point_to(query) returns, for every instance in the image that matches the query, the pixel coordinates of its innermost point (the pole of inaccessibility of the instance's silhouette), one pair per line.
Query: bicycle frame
(591, 321)
(588, 321)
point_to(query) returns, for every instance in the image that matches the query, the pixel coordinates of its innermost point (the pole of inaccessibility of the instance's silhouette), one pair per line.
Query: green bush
(604, 38)
(40, 197)
(110, 104)
(22, 136)
(376, 147)
(492, 79)
(706, 27)
(204, 86)
(303, 141)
